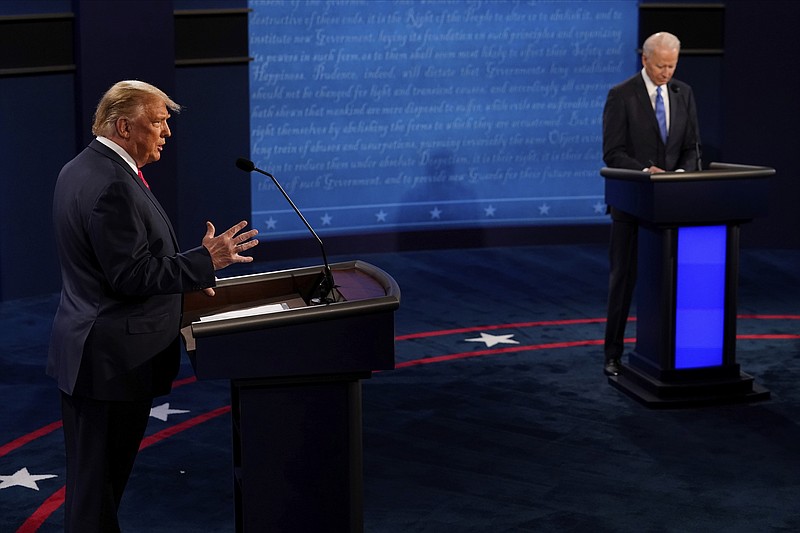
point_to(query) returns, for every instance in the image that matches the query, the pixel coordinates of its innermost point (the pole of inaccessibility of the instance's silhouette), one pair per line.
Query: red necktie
(141, 177)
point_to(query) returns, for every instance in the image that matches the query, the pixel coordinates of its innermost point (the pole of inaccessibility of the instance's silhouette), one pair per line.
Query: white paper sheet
(250, 311)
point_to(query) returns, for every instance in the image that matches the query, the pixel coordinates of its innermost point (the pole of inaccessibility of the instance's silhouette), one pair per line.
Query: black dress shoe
(612, 367)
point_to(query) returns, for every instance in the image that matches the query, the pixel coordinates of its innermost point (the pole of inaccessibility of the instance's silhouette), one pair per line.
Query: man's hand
(226, 247)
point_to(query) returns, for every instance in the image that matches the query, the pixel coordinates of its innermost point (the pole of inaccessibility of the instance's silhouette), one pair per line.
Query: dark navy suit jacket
(123, 277)
(630, 131)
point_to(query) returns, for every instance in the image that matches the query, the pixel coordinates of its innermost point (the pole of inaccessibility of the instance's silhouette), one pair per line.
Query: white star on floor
(489, 211)
(544, 209)
(23, 478)
(492, 340)
(381, 215)
(271, 223)
(436, 213)
(326, 219)
(163, 411)
(599, 208)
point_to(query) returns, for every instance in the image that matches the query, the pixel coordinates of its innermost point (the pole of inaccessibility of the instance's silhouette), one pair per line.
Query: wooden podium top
(293, 337)
(362, 286)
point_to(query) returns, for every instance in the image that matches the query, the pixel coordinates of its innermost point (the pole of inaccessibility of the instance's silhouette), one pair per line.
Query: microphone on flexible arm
(698, 160)
(327, 288)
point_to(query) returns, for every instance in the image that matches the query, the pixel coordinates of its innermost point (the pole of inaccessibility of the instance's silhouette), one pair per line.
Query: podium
(295, 371)
(688, 268)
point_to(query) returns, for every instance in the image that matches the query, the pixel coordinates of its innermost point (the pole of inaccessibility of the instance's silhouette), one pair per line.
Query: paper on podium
(250, 311)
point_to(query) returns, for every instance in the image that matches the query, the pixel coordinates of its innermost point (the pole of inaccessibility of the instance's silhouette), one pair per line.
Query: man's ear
(123, 127)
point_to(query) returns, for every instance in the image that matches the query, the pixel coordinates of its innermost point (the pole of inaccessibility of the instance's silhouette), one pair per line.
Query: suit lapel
(106, 151)
(161, 211)
(646, 106)
(677, 112)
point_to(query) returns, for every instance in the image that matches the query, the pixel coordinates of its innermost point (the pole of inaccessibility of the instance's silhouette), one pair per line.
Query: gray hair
(658, 40)
(126, 99)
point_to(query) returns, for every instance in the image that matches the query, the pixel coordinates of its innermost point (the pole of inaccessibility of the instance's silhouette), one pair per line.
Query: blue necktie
(661, 115)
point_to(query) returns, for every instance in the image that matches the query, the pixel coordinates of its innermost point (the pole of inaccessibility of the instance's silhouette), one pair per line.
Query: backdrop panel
(399, 115)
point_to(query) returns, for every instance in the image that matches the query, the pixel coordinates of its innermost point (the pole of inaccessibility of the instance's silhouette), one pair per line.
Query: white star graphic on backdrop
(271, 223)
(326, 219)
(436, 213)
(381, 215)
(489, 210)
(23, 478)
(600, 208)
(492, 340)
(544, 209)
(163, 411)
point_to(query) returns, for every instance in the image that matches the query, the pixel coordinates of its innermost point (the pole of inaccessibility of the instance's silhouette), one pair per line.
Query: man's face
(148, 133)
(661, 65)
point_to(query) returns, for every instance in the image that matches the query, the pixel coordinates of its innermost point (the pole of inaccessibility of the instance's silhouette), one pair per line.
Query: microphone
(326, 291)
(698, 160)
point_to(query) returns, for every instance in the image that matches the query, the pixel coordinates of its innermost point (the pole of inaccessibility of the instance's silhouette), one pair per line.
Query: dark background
(57, 57)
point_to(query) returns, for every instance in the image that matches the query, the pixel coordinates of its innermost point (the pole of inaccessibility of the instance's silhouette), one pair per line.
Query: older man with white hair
(649, 124)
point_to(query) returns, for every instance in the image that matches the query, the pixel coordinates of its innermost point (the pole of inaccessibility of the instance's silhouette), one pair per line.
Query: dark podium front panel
(295, 371)
(688, 267)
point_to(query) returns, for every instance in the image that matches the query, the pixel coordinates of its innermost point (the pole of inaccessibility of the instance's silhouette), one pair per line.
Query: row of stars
(23, 478)
(436, 214)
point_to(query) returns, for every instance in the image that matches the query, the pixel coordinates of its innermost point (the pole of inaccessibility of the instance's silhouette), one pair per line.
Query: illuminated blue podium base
(688, 270)
(686, 320)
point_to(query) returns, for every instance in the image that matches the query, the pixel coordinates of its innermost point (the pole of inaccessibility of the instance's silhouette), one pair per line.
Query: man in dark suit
(649, 124)
(115, 340)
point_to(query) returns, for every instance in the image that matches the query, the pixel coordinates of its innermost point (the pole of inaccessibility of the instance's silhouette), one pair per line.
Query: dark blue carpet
(518, 431)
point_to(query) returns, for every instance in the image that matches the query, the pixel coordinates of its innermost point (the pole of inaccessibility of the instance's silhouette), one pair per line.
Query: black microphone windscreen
(245, 164)
(675, 88)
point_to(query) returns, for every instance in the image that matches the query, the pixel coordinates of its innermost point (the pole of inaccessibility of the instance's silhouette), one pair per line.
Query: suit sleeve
(134, 247)
(616, 133)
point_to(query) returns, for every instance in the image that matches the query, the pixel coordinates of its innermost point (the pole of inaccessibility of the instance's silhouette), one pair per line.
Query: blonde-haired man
(115, 340)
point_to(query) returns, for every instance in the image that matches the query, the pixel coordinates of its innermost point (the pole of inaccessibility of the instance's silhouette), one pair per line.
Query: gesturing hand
(226, 247)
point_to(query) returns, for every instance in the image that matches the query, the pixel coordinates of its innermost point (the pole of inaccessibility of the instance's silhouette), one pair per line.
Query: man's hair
(660, 40)
(126, 99)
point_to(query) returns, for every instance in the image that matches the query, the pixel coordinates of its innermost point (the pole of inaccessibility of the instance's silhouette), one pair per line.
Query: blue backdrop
(401, 115)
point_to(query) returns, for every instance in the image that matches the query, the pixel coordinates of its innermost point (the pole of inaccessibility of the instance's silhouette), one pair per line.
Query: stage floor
(497, 418)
